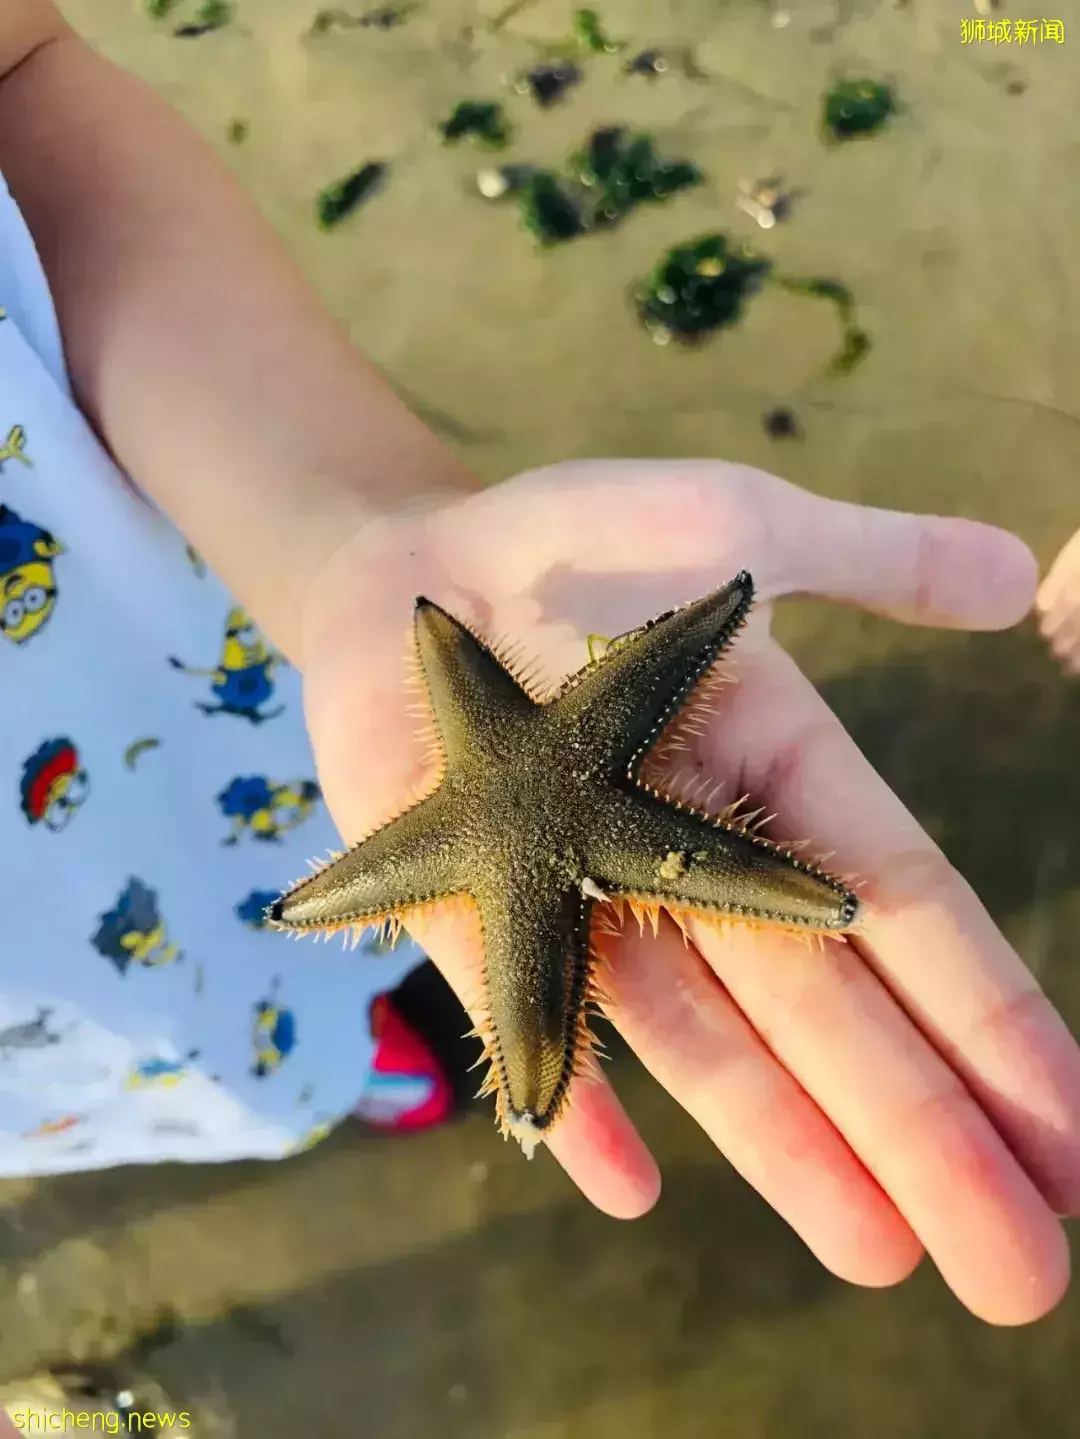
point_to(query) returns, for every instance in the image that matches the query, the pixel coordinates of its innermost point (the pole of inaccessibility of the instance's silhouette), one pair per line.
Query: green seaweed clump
(211, 15)
(343, 196)
(702, 286)
(699, 287)
(548, 210)
(159, 9)
(589, 34)
(480, 120)
(857, 107)
(383, 17)
(625, 171)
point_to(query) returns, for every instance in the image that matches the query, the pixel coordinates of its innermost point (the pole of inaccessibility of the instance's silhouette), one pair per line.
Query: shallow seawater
(440, 1285)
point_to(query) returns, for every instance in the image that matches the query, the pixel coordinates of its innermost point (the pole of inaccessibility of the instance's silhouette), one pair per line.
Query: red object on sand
(407, 1090)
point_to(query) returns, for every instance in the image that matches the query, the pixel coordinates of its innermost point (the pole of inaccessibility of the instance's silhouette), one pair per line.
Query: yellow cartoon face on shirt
(244, 645)
(27, 581)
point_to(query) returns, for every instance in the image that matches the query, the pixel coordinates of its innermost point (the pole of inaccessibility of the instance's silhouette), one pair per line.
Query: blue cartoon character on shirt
(133, 932)
(243, 681)
(251, 911)
(265, 810)
(27, 581)
(54, 784)
(273, 1035)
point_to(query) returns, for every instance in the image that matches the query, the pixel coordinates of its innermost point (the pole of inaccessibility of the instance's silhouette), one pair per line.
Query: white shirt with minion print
(157, 791)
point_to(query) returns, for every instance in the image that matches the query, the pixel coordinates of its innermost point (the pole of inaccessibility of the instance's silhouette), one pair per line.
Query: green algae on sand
(623, 171)
(607, 178)
(548, 210)
(857, 107)
(591, 36)
(342, 197)
(482, 121)
(211, 15)
(703, 285)
(699, 287)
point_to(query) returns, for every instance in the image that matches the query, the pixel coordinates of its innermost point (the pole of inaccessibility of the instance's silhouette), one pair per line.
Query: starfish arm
(409, 862)
(657, 854)
(537, 967)
(618, 705)
(478, 705)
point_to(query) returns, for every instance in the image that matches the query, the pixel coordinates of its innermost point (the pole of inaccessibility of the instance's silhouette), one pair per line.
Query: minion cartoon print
(243, 681)
(273, 1035)
(27, 581)
(133, 932)
(54, 785)
(251, 911)
(257, 806)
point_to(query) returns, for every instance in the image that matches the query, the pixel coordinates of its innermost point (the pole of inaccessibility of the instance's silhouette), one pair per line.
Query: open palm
(909, 1088)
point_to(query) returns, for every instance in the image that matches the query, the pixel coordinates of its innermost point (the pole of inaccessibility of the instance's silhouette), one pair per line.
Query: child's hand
(911, 1088)
(1058, 604)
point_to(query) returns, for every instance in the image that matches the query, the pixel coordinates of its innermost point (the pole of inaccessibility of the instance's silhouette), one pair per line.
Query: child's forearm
(194, 344)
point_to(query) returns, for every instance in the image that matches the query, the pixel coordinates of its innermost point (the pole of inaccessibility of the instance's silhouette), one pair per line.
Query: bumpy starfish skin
(541, 819)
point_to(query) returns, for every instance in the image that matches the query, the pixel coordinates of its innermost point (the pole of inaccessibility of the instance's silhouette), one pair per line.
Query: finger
(921, 569)
(906, 1114)
(1052, 617)
(601, 1151)
(926, 934)
(595, 1140)
(976, 1000)
(693, 515)
(694, 1041)
(1065, 642)
(1061, 624)
(1063, 577)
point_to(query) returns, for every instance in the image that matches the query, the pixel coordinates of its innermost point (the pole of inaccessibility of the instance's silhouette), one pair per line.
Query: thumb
(920, 569)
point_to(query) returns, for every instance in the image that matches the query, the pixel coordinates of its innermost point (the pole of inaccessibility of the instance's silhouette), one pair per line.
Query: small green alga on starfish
(541, 818)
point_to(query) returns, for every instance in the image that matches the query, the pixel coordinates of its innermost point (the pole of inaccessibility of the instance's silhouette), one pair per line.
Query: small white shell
(492, 184)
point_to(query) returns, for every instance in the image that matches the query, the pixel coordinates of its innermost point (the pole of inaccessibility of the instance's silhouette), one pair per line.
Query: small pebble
(479, 1171)
(781, 19)
(458, 1393)
(493, 184)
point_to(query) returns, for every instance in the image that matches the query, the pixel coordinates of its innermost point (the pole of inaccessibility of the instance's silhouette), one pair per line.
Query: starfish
(540, 816)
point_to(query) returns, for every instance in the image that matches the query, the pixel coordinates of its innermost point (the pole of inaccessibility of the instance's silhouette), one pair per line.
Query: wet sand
(440, 1286)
